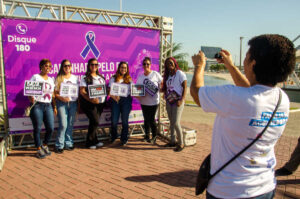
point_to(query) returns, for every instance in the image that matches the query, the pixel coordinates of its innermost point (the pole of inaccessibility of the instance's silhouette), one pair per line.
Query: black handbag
(204, 172)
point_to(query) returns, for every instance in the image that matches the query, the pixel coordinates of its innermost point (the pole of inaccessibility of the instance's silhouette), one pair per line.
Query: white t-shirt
(152, 80)
(174, 83)
(96, 81)
(112, 80)
(48, 88)
(73, 79)
(242, 113)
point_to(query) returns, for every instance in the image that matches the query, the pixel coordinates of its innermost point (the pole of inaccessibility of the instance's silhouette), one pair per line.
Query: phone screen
(210, 52)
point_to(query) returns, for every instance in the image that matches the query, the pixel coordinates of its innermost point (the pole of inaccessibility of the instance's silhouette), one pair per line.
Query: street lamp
(241, 38)
(121, 5)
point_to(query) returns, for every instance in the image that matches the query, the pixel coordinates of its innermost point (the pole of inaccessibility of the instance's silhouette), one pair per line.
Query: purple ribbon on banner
(90, 39)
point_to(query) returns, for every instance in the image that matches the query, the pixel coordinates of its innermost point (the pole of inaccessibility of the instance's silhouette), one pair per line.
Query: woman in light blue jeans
(66, 108)
(43, 109)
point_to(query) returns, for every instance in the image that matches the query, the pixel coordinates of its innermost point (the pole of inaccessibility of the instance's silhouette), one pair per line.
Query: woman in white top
(92, 107)
(120, 105)
(42, 110)
(174, 88)
(66, 108)
(149, 103)
(242, 113)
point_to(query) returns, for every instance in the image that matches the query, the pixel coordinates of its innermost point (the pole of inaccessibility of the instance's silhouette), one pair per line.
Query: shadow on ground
(185, 178)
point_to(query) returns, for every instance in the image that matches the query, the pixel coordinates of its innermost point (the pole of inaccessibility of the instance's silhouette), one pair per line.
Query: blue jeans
(268, 195)
(66, 116)
(42, 112)
(123, 107)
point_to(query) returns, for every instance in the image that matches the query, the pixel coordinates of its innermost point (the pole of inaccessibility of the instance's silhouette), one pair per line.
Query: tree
(217, 67)
(183, 64)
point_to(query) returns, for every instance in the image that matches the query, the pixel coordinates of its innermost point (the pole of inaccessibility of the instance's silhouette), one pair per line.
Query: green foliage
(183, 65)
(175, 52)
(217, 67)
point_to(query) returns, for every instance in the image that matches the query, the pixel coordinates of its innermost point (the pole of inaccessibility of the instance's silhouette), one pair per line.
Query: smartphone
(211, 52)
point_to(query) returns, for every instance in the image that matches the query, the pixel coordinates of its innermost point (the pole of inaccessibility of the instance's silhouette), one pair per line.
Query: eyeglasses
(94, 65)
(146, 64)
(69, 65)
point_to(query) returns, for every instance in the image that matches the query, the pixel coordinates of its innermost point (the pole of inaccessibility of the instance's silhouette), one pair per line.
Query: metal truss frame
(51, 12)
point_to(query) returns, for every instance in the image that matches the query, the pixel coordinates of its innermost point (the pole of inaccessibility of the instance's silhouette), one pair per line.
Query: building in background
(210, 54)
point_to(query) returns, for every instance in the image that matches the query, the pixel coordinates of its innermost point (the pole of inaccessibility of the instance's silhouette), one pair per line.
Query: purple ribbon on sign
(90, 39)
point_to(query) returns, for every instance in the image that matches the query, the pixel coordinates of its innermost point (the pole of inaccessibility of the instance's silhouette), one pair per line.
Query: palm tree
(180, 57)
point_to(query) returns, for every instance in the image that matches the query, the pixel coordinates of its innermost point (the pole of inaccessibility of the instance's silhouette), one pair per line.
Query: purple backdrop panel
(26, 42)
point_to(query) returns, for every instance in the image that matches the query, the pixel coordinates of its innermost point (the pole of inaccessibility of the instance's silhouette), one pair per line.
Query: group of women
(173, 85)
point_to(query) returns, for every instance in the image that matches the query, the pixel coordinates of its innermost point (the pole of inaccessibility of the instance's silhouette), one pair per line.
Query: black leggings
(149, 119)
(93, 112)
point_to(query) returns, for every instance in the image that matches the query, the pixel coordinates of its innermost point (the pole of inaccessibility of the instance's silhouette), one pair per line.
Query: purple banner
(26, 42)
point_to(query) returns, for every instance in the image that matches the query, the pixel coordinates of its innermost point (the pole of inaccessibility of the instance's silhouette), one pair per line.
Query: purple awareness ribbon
(90, 39)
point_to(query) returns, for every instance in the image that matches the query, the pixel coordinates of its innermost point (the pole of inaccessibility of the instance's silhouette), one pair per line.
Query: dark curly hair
(274, 56)
(167, 72)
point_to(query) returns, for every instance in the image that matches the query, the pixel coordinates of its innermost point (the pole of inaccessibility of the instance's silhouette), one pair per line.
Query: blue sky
(218, 23)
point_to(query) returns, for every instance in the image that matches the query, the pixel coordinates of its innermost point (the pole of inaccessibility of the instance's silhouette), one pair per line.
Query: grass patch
(190, 102)
(293, 108)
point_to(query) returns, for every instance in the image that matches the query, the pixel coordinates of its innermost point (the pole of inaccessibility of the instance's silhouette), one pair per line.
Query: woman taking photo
(92, 107)
(243, 112)
(120, 105)
(174, 88)
(42, 110)
(149, 102)
(66, 108)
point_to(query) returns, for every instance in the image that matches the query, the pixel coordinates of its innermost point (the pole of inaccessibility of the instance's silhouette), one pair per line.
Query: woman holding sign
(66, 94)
(119, 88)
(42, 110)
(149, 103)
(174, 88)
(90, 103)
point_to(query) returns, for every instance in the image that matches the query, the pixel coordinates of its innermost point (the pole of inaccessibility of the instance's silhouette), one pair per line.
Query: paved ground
(138, 170)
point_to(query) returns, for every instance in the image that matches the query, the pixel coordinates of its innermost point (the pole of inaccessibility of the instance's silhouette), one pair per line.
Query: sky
(218, 23)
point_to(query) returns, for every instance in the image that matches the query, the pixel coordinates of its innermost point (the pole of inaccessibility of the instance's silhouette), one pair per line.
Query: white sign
(121, 90)
(68, 90)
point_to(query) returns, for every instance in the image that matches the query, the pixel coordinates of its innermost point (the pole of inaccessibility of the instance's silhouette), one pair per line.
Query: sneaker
(112, 140)
(178, 148)
(69, 148)
(147, 139)
(92, 147)
(40, 153)
(59, 151)
(100, 144)
(282, 172)
(124, 143)
(46, 150)
(153, 140)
